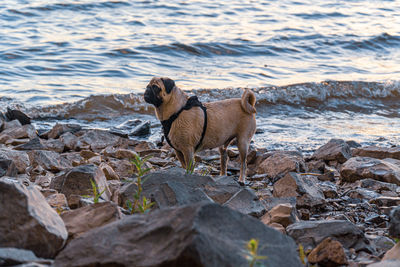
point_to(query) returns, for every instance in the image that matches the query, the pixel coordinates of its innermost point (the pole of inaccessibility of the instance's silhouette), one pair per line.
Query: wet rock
(282, 162)
(15, 256)
(14, 114)
(284, 214)
(357, 168)
(377, 152)
(328, 253)
(27, 221)
(48, 160)
(86, 218)
(335, 150)
(60, 129)
(197, 235)
(98, 140)
(377, 185)
(142, 129)
(7, 168)
(303, 187)
(77, 181)
(245, 201)
(20, 158)
(311, 233)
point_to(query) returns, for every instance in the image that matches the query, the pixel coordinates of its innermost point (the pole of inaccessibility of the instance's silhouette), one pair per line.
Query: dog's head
(158, 91)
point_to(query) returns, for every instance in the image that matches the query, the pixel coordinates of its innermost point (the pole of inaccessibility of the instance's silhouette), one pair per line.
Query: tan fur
(227, 119)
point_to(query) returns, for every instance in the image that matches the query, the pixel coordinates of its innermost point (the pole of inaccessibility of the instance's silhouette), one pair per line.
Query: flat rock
(385, 170)
(81, 220)
(27, 221)
(77, 181)
(246, 201)
(280, 163)
(335, 150)
(311, 233)
(377, 152)
(328, 253)
(204, 234)
(303, 187)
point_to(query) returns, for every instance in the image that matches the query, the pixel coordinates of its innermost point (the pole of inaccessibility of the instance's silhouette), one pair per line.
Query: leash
(193, 101)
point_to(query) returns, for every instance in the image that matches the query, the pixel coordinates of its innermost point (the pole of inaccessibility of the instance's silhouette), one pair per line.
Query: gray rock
(377, 152)
(60, 129)
(386, 263)
(203, 234)
(69, 140)
(14, 256)
(25, 131)
(245, 201)
(7, 168)
(34, 144)
(362, 193)
(311, 233)
(335, 150)
(142, 129)
(98, 140)
(357, 168)
(48, 160)
(77, 181)
(27, 221)
(377, 185)
(394, 222)
(15, 114)
(20, 158)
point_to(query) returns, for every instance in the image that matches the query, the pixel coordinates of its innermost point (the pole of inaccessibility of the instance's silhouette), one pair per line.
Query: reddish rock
(282, 162)
(377, 152)
(329, 253)
(335, 150)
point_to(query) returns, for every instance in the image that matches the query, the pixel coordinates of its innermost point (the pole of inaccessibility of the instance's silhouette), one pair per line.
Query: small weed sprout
(190, 167)
(302, 254)
(96, 193)
(140, 204)
(251, 253)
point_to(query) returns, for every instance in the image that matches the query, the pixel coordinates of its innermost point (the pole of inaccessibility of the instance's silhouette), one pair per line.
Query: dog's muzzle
(152, 98)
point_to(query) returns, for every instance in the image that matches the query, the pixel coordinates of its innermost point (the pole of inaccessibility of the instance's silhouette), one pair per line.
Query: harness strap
(191, 102)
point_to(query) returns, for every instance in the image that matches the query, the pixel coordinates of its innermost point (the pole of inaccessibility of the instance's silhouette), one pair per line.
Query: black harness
(191, 102)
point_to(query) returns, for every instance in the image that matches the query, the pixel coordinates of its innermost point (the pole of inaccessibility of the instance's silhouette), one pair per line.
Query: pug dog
(190, 126)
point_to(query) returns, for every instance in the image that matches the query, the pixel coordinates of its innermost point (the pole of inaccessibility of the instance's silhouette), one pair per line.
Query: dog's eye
(156, 88)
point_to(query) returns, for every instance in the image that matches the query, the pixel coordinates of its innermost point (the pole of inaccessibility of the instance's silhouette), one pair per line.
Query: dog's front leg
(181, 158)
(224, 160)
(189, 159)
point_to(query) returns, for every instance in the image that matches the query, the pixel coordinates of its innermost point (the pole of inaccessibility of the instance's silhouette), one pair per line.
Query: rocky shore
(67, 197)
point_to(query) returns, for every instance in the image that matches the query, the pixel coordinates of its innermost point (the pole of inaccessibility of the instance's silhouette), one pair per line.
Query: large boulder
(377, 152)
(385, 170)
(27, 221)
(303, 187)
(203, 234)
(335, 150)
(86, 218)
(280, 163)
(311, 233)
(78, 181)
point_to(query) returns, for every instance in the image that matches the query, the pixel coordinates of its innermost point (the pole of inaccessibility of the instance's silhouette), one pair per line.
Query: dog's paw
(245, 183)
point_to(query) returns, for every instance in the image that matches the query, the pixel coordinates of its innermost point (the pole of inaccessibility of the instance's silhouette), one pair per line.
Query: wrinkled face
(158, 90)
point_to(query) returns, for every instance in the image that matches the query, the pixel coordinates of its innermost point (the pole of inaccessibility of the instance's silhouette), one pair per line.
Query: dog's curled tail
(248, 102)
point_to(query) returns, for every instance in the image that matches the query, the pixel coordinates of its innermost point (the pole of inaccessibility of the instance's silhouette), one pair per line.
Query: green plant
(96, 194)
(139, 204)
(302, 254)
(251, 253)
(190, 167)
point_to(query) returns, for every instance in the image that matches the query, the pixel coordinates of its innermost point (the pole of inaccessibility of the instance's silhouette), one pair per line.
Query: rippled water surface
(58, 51)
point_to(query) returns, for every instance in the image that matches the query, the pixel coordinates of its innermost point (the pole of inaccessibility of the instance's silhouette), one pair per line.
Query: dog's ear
(168, 84)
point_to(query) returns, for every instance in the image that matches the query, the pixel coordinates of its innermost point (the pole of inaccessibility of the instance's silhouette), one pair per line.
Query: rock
(11, 124)
(123, 168)
(142, 129)
(14, 256)
(114, 186)
(108, 172)
(303, 187)
(87, 154)
(377, 152)
(98, 140)
(328, 253)
(282, 162)
(77, 181)
(34, 144)
(335, 150)
(25, 131)
(60, 129)
(27, 221)
(69, 140)
(54, 145)
(7, 168)
(20, 158)
(121, 153)
(223, 190)
(284, 214)
(48, 160)
(362, 193)
(382, 243)
(328, 189)
(383, 201)
(57, 201)
(196, 235)
(377, 185)
(245, 201)
(86, 218)
(394, 222)
(393, 253)
(311, 233)
(357, 168)
(14, 114)
(386, 263)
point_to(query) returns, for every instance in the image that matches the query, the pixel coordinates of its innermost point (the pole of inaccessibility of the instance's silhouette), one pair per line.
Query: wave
(340, 96)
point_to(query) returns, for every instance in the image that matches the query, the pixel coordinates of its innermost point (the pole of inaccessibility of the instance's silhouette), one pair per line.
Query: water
(89, 61)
